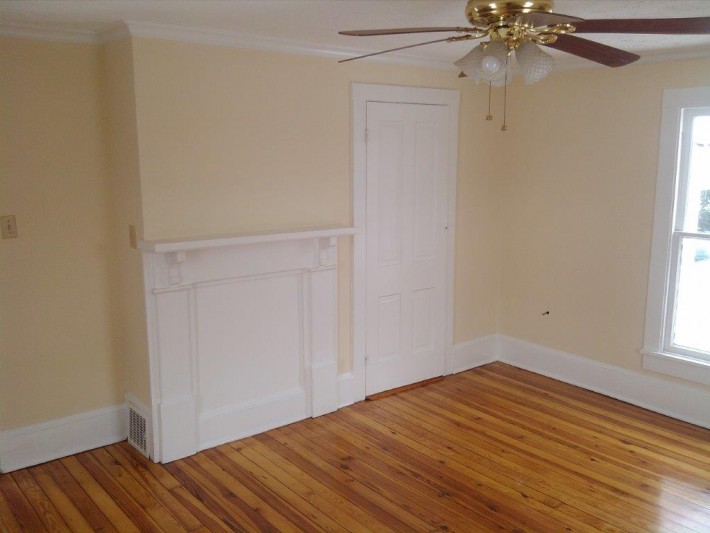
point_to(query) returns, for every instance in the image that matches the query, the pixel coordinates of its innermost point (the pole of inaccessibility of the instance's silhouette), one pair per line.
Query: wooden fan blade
(601, 53)
(394, 50)
(399, 31)
(684, 26)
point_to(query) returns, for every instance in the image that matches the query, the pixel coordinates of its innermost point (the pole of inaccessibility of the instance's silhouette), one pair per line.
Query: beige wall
(235, 140)
(185, 139)
(578, 206)
(57, 351)
(180, 139)
(128, 317)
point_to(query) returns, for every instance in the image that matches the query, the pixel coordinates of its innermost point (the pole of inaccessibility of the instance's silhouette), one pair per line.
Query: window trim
(657, 353)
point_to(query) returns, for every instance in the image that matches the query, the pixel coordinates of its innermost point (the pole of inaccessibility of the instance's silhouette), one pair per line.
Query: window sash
(659, 355)
(672, 296)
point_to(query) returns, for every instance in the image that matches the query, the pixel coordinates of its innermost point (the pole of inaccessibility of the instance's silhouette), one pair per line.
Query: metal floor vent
(137, 431)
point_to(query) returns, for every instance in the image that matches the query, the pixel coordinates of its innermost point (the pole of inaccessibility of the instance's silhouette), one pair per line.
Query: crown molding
(269, 44)
(126, 29)
(150, 30)
(43, 33)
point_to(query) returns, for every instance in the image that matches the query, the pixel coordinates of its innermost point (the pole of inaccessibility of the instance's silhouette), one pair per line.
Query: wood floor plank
(118, 494)
(8, 522)
(198, 509)
(687, 478)
(622, 413)
(470, 489)
(697, 449)
(284, 500)
(422, 494)
(151, 506)
(225, 496)
(351, 517)
(496, 448)
(586, 492)
(526, 482)
(79, 498)
(570, 458)
(398, 496)
(323, 511)
(227, 509)
(643, 488)
(72, 516)
(156, 470)
(469, 472)
(369, 500)
(103, 500)
(51, 518)
(137, 466)
(23, 514)
(525, 468)
(268, 508)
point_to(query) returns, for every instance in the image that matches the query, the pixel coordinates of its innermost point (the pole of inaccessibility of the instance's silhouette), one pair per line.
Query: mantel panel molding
(242, 335)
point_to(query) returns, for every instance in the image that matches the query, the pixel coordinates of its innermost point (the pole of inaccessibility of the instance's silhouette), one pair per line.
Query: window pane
(692, 317)
(697, 209)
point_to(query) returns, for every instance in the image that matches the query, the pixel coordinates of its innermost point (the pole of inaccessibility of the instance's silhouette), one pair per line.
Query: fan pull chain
(504, 127)
(490, 90)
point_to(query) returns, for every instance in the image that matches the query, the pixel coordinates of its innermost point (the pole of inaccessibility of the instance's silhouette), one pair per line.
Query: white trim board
(39, 443)
(473, 353)
(670, 398)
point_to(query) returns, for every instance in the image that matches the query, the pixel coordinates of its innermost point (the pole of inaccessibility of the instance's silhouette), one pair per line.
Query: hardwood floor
(495, 448)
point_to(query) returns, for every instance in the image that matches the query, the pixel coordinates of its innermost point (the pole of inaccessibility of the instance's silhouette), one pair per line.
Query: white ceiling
(313, 25)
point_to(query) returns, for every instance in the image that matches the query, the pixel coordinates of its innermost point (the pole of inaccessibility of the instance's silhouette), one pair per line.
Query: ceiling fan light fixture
(534, 63)
(486, 62)
(472, 64)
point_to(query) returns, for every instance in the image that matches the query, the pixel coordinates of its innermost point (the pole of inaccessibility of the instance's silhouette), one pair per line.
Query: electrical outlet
(9, 227)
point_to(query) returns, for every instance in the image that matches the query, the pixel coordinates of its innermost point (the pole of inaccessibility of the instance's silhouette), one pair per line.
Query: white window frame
(659, 354)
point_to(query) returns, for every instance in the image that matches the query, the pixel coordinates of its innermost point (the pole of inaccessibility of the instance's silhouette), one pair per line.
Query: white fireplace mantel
(242, 335)
(234, 239)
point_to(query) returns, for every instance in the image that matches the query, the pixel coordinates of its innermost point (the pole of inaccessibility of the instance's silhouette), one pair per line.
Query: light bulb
(490, 64)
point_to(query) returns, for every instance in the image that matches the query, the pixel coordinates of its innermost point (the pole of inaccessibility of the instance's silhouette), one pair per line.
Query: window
(677, 339)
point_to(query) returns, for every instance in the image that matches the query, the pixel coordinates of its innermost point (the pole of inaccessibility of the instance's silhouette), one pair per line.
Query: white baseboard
(674, 399)
(346, 390)
(470, 354)
(39, 443)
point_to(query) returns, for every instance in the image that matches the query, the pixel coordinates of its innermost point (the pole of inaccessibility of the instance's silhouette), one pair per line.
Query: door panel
(407, 171)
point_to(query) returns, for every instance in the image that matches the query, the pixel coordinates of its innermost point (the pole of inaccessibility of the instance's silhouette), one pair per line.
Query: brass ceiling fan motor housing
(482, 13)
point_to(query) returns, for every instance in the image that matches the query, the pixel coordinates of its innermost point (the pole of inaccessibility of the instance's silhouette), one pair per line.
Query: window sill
(679, 366)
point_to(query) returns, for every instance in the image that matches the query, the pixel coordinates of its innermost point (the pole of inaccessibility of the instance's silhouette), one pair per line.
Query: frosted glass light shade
(480, 63)
(534, 63)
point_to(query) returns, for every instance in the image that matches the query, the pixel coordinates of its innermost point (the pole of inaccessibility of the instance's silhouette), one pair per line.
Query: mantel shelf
(216, 241)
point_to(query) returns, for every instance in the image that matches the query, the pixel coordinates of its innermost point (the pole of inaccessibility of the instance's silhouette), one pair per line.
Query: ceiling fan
(521, 25)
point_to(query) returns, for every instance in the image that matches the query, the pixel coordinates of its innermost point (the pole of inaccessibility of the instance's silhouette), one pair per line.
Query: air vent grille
(137, 431)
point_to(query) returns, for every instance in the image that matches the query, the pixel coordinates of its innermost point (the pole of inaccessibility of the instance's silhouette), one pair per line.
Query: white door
(406, 216)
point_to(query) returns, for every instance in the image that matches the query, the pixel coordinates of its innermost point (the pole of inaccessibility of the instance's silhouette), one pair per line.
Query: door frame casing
(362, 93)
